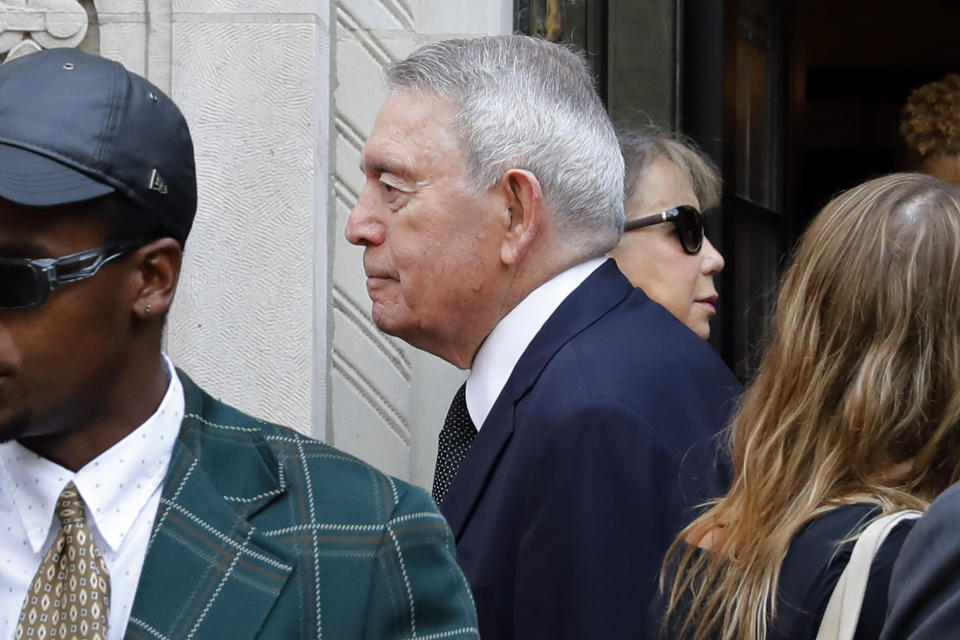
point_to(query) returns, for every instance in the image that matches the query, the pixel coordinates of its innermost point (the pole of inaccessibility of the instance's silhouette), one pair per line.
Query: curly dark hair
(930, 122)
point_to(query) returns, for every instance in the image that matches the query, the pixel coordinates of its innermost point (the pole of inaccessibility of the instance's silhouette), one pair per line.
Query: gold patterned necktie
(70, 595)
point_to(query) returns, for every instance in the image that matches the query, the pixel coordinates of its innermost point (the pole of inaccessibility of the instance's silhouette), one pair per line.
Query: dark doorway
(809, 105)
(855, 64)
(795, 100)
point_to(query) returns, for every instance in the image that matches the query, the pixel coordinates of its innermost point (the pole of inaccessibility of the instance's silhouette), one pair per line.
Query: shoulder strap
(843, 610)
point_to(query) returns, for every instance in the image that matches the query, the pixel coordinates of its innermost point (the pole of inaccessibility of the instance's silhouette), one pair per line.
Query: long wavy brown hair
(857, 399)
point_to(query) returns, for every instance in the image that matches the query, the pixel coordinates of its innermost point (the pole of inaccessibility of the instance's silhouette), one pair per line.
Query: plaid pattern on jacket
(264, 533)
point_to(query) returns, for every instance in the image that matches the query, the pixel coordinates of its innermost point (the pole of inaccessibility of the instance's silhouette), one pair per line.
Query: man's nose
(6, 342)
(363, 226)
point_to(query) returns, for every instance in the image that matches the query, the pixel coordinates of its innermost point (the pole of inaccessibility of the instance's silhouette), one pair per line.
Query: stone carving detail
(27, 26)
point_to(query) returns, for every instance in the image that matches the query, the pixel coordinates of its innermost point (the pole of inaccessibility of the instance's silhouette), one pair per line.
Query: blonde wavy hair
(857, 399)
(640, 147)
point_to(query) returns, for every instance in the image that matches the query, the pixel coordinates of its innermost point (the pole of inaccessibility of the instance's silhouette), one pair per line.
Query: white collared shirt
(121, 488)
(501, 350)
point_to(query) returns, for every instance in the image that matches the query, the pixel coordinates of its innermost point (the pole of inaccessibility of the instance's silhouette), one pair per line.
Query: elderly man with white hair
(582, 439)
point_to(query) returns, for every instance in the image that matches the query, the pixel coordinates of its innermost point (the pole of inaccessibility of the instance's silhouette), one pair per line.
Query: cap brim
(34, 180)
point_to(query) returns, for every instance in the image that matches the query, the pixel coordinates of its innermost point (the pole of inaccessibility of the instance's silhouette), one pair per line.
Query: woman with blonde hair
(853, 413)
(664, 251)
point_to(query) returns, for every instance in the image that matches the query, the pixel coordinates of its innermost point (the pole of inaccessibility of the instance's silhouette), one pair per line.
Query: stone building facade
(272, 313)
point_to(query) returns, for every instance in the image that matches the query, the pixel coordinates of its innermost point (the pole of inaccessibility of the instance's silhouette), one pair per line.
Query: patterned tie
(70, 595)
(455, 439)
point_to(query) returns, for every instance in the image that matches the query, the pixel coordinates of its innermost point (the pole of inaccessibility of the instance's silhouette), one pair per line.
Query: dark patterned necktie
(70, 594)
(455, 439)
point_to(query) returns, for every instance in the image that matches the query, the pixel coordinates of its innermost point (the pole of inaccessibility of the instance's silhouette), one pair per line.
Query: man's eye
(389, 188)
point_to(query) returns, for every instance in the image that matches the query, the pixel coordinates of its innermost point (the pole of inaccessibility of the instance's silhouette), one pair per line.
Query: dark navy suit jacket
(924, 599)
(588, 464)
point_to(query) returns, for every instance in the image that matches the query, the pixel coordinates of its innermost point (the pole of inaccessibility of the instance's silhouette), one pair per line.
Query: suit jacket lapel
(601, 291)
(203, 550)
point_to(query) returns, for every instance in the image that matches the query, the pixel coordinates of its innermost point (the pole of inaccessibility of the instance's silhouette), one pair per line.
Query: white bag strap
(843, 610)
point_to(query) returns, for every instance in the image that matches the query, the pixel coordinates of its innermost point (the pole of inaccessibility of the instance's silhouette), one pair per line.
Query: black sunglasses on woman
(687, 221)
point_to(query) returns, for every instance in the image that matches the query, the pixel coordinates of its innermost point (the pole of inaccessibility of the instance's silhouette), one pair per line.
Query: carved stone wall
(272, 313)
(250, 315)
(27, 26)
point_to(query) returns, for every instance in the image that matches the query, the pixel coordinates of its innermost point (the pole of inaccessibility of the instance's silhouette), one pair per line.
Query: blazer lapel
(601, 291)
(206, 572)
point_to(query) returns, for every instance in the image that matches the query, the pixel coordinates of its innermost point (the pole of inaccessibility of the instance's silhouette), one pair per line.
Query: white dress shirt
(501, 351)
(121, 489)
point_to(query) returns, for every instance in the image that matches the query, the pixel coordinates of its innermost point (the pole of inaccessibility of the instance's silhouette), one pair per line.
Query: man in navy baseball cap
(74, 127)
(135, 504)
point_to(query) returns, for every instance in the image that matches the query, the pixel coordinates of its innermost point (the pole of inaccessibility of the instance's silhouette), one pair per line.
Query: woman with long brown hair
(853, 413)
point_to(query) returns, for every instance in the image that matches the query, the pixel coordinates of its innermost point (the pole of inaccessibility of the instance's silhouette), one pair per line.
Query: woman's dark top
(812, 567)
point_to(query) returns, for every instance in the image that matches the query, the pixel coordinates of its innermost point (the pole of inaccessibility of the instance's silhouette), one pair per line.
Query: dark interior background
(795, 100)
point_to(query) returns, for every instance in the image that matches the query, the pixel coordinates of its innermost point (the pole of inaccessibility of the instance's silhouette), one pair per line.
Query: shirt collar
(501, 350)
(115, 486)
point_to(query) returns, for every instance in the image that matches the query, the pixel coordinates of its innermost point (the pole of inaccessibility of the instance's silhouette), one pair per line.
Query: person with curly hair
(930, 126)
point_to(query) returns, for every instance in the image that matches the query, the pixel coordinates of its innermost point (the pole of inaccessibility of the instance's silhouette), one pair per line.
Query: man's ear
(524, 214)
(158, 267)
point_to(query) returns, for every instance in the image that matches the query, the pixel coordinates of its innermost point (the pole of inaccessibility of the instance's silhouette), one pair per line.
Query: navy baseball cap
(75, 126)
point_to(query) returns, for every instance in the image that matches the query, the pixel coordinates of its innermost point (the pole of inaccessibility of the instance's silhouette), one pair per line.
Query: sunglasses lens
(19, 286)
(690, 229)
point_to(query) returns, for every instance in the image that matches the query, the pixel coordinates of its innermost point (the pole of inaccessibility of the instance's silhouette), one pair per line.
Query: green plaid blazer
(264, 533)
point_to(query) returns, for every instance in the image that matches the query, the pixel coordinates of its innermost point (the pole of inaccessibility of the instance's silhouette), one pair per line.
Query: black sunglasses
(686, 220)
(26, 282)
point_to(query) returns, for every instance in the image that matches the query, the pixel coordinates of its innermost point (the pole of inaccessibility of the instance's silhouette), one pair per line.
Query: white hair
(525, 103)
